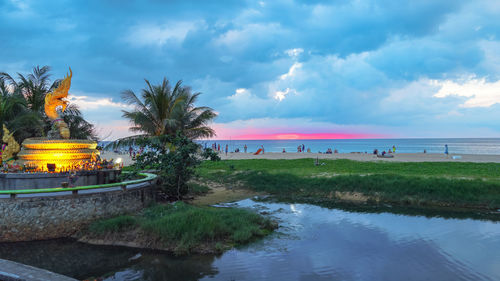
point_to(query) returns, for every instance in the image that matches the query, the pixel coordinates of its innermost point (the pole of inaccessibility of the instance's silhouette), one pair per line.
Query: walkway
(13, 271)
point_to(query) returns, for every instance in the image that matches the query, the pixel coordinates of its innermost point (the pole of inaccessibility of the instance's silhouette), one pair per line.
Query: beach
(398, 157)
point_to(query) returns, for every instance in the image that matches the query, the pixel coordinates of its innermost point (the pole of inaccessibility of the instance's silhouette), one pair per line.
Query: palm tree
(33, 88)
(14, 113)
(79, 128)
(162, 110)
(193, 121)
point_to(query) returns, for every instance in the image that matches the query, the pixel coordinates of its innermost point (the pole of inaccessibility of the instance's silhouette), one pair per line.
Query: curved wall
(16, 181)
(45, 217)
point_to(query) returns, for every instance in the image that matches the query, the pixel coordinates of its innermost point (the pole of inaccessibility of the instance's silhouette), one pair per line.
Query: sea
(431, 145)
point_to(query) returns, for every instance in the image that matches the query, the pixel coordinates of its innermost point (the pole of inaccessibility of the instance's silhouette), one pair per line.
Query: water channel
(312, 243)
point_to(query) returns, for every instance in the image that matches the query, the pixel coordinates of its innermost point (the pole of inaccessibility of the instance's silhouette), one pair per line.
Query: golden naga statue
(12, 146)
(55, 100)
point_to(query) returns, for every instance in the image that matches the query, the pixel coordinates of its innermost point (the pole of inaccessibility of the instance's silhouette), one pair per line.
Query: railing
(147, 178)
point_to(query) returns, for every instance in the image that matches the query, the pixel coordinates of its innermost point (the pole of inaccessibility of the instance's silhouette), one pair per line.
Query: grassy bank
(429, 183)
(181, 228)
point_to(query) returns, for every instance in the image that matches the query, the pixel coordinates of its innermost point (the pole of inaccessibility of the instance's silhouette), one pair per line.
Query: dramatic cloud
(373, 67)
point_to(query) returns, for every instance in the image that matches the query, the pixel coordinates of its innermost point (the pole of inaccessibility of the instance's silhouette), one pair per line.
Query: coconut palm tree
(79, 128)
(163, 110)
(14, 113)
(193, 121)
(33, 88)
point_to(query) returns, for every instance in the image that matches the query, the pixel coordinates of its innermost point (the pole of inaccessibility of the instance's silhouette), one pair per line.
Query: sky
(275, 69)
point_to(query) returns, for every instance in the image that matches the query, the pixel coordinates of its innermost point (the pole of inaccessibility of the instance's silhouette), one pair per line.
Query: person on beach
(226, 148)
(262, 146)
(446, 150)
(284, 151)
(245, 148)
(218, 147)
(303, 148)
(393, 149)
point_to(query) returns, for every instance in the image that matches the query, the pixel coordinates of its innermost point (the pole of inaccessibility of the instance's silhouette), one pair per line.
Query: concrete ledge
(13, 271)
(16, 181)
(46, 217)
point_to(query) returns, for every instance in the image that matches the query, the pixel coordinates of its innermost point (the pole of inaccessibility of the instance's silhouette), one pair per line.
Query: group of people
(329, 151)
(389, 151)
(216, 147)
(133, 153)
(301, 148)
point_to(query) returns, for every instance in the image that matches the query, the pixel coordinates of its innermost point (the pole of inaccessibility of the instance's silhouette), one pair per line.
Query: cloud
(479, 92)
(159, 34)
(350, 63)
(91, 103)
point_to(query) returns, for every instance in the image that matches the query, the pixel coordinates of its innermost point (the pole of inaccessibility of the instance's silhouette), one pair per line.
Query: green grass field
(425, 183)
(185, 228)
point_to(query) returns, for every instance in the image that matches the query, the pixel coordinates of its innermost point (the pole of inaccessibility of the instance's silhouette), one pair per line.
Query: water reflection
(312, 243)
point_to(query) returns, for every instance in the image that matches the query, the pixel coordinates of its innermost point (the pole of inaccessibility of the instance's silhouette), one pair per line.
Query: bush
(210, 154)
(175, 159)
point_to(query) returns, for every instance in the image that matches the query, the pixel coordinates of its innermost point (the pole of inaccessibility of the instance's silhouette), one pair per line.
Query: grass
(116, 224)
(425, 183)
(184, 228)
(197, 189)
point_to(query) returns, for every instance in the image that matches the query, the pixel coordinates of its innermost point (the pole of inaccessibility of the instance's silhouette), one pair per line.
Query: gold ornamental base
(61, 154)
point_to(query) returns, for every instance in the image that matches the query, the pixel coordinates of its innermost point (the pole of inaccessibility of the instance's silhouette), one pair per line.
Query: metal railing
(147, 178)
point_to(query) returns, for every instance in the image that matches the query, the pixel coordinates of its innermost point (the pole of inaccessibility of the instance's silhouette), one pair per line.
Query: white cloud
(281, 95)
(158, 35)
(294, 52)
(292, 71)
(239, 39)
(480, 93)
(91, 103)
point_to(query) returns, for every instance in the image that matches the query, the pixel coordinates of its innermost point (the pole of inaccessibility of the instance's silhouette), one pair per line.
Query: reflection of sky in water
(312, 243)
(322, 244)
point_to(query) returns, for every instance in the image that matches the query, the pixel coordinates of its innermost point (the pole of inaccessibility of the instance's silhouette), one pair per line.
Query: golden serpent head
(57, 97)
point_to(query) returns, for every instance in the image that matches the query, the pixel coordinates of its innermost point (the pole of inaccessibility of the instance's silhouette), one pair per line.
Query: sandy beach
(398, 157)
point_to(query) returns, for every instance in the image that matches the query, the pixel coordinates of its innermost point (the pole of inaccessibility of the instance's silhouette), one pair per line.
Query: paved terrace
(13, 271)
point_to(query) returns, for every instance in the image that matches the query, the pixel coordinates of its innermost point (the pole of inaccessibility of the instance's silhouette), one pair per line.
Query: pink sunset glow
(299, 136)
(278, 129)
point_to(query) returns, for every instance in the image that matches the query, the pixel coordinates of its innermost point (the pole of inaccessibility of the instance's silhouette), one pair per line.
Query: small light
(118, 160)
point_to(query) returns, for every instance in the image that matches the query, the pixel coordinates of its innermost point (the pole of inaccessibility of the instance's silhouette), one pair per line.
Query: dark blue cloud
(354, 54)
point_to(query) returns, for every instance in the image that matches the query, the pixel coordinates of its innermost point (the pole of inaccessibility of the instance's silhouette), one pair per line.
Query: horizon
(284, 68)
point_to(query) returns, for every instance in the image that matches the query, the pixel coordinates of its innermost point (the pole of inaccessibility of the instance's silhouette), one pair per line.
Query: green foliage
(28, 117)
(198, 189)
(187, 227)
(210, 154)
(116, 224)
(184, 227)
(458, 184)
(163, 110)
(174, 158)
(306, 168)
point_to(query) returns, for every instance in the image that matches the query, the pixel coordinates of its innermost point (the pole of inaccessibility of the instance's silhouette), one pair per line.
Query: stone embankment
(47, 217)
